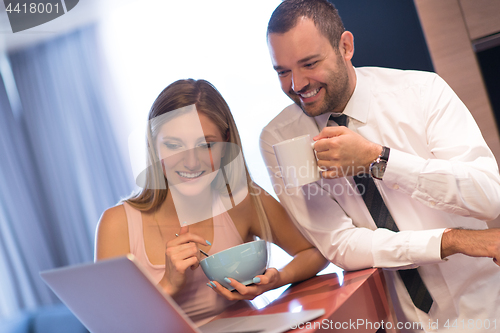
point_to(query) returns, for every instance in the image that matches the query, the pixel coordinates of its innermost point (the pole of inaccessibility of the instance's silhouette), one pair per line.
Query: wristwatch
(377, 168)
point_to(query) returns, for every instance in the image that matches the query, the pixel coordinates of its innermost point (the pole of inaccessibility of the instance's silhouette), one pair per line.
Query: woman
(198, 172)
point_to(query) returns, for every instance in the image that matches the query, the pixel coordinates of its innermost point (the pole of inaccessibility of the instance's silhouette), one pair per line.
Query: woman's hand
(262, 283)
(180, 254)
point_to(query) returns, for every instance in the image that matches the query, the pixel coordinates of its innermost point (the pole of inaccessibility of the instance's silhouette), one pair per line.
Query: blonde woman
(198, 172)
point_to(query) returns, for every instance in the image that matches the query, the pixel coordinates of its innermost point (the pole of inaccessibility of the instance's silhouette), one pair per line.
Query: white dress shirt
(440, 174)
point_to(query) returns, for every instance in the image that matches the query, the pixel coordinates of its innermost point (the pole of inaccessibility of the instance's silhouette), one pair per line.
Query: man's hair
(323, 13)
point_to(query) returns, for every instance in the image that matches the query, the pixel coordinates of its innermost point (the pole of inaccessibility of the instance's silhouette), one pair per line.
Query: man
(410, 132)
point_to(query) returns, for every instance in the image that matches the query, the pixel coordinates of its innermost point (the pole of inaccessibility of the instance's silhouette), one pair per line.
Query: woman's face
(190, 147)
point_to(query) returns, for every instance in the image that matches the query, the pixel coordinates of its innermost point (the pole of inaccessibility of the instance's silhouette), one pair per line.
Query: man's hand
(341, 152)
(474, 243)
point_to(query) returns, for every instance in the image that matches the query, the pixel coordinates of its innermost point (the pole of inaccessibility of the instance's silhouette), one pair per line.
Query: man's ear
(346, 45)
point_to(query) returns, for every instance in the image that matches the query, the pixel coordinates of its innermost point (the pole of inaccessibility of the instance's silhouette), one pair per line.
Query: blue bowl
(242, 263)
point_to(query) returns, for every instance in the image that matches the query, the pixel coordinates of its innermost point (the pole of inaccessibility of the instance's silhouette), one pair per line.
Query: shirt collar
(358, 105)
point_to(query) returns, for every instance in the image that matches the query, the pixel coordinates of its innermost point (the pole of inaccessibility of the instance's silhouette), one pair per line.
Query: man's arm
(474, 243)
(325, 224)
(469, 187)
(454, 171)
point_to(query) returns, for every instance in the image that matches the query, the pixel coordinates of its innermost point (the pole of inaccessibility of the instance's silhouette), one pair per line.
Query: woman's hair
(323, 13)
(209, 102)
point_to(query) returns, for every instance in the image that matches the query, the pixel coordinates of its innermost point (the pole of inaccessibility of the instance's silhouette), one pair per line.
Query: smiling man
(429, 180)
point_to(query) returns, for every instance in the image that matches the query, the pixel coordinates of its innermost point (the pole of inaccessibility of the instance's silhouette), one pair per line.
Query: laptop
(118, 295)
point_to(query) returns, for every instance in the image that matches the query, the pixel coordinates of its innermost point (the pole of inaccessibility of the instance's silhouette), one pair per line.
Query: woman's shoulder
(266, 198)
(115, 212)
(113, 219)
(244, 204)
(112, 237)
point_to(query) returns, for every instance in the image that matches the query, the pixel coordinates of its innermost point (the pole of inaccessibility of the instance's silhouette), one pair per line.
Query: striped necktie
(417, 290)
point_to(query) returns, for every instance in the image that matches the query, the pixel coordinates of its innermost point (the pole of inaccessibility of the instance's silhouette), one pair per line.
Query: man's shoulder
(289, 123)
(382, 76)
(289, 115)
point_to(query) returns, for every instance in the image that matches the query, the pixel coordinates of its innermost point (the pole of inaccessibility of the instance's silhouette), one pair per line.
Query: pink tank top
(197, 300)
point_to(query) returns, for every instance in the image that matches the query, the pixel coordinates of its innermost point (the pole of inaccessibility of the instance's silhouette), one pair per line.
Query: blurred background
(72, 91)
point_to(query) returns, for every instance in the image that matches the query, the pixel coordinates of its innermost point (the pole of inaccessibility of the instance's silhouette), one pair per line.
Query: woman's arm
(112, 234)
(306, 262)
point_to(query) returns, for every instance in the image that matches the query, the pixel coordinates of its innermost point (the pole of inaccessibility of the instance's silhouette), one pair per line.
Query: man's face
(190, 147)
(311, 72)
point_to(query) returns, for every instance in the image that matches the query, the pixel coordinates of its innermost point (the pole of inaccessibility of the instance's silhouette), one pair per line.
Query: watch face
(378, 169)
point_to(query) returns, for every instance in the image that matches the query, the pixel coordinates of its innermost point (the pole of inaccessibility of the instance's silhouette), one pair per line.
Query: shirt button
(395, 186)
(433, 203)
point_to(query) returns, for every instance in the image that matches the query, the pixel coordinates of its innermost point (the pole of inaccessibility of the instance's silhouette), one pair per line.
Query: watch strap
(385, 153)
(380, 162)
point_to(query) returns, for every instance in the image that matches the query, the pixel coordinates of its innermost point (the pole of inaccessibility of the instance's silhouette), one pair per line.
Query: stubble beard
(336, 94)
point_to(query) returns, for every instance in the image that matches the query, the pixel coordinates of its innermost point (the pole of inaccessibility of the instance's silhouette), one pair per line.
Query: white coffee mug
(297, 161)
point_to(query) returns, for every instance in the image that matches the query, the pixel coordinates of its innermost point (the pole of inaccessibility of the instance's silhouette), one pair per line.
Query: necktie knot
(341, 119)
